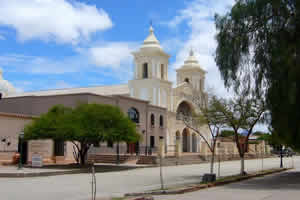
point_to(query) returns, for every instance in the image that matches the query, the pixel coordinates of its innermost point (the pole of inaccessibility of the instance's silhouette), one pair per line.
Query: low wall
(6, 157)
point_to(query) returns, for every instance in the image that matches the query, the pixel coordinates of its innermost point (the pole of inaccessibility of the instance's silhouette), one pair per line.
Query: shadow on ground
(284, 181)
(87, 168)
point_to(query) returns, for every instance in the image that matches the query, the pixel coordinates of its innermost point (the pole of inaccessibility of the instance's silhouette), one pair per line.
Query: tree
(242, 113)
(207, 115)
(257, 46)
(83, 126)
(124, 130)
(226, 133)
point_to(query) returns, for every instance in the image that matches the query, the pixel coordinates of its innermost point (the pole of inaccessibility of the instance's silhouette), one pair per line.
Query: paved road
(281, 186)
(77, 186)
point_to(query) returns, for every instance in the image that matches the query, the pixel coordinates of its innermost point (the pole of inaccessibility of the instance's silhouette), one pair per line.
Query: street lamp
(21, 137)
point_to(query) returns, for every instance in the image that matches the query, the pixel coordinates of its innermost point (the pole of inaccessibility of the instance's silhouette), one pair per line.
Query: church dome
(191, 59)
(6, 88)
(151, 41)
(191, 62)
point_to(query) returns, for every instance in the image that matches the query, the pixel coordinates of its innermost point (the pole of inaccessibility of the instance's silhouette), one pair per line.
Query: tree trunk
(212, 161)
(118, 153)
(161, 173)
(82, 158)
(243, 165)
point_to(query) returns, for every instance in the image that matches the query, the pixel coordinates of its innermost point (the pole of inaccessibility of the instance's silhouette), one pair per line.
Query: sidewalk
(13, 171)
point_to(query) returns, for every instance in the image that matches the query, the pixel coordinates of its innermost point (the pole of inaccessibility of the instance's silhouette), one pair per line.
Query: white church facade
(149, 93)
(150, 82)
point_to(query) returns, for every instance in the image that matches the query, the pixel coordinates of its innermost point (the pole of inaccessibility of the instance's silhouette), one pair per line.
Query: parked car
(288, 153)
(285, 152)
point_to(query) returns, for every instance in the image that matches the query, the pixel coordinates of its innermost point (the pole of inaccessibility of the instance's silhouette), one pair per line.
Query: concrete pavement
(78, 187)
(285, 185)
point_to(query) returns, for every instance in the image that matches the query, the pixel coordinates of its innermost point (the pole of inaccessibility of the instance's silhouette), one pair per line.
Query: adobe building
(140, 111)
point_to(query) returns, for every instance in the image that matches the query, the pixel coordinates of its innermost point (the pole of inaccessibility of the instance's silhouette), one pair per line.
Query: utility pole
(281, 155)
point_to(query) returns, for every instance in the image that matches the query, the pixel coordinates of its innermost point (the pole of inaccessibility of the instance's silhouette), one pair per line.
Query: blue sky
(46, 44)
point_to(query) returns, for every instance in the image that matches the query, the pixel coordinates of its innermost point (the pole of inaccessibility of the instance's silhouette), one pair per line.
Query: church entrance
(185, 143)
(194, 142)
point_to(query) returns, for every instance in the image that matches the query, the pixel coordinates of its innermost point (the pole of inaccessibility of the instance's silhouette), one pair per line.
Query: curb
(193, 188)
(55, 173)
(39, 174)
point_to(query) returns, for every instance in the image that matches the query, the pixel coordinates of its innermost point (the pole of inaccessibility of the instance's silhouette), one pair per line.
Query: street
(285, 185)
(78, 186)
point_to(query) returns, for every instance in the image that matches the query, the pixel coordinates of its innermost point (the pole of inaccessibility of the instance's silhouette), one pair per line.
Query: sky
(49, 44)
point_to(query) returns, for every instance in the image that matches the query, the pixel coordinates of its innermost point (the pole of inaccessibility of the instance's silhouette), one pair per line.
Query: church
(149, 98)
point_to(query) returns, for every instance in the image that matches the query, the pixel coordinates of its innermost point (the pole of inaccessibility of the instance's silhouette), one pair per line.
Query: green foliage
(227, 133)
(48, 125)
(85, 124)
(241, 113)
(257, 46)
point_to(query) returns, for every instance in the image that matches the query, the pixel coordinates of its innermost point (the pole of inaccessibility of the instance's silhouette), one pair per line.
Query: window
(152, 141)
(187, 80)
(152, 120)
(162, 71)
(161, 121)
(145, 70)
(133, 114)
(59, 148)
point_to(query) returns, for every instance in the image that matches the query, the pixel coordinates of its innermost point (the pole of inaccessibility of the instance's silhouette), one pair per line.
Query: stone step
(98, 158)
(183, 160)
(147, 160)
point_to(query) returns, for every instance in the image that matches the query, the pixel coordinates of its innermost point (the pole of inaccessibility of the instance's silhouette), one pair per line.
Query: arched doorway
(194, 143)
(184, 108)
(185, 140)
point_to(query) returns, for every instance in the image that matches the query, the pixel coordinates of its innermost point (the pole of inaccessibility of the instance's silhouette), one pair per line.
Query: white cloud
(6, 88)
(61, 20)
(199, 17)
(41, 65)
(114, 58)
(112, 55)
(63, 84)
(111, 59)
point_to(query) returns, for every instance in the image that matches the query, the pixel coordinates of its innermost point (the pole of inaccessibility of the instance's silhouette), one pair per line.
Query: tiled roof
(99, 90)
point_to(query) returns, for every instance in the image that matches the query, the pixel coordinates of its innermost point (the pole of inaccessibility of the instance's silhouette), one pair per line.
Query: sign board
(37, 160)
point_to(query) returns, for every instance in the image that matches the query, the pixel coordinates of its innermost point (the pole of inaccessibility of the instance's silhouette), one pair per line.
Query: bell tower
(192, 73)
(150, 81)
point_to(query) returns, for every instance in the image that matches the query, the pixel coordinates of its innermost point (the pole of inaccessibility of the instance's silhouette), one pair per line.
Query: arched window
(145, 70)
(187, 80)
(162, 71)
(133, 114)
(161, 121)
(152, 120)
